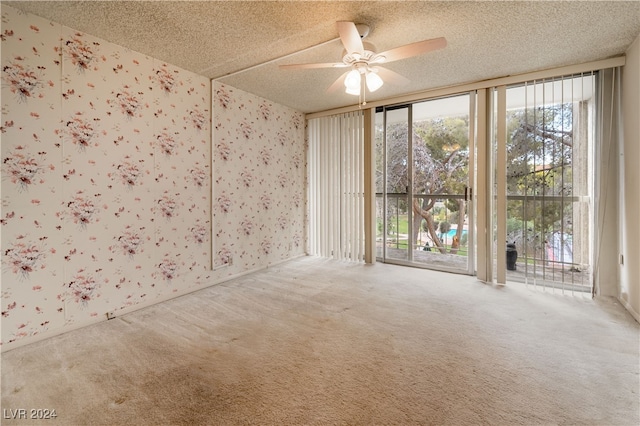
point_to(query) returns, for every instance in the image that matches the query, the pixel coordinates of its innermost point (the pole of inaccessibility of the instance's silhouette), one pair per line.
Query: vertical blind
(336, 186)
(548, 181)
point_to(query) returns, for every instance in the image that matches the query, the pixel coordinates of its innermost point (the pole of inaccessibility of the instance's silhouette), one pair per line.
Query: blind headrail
(483, 84)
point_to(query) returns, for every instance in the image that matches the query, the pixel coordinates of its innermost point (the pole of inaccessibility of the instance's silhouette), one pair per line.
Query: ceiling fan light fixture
(352, 82)
(352, 91)
(374, 82)
(362, 57)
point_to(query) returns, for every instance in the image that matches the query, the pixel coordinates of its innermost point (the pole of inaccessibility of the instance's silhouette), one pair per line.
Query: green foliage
(441, 155)
(464, 239)
(539, 163)
(444, 227)
(513, 225)
(403, 224)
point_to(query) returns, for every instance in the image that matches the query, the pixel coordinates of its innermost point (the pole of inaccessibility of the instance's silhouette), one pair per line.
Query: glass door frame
(469, 194)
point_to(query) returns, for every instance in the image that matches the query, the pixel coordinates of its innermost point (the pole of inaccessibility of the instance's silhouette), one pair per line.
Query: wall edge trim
(629, 308)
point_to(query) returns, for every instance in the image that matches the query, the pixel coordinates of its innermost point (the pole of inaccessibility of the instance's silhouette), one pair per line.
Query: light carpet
(320, 342)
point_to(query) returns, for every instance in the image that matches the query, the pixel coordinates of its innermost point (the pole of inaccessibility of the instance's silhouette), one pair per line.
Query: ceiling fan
(364, 62)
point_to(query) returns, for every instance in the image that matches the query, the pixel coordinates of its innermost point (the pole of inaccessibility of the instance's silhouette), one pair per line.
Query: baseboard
(629, 308)
(49, 334)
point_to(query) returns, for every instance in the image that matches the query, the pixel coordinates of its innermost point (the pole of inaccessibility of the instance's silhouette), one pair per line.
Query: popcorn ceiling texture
(485, 39)
(106, 180)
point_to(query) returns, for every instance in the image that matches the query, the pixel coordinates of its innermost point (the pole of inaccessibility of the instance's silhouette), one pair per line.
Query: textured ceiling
(485, 39)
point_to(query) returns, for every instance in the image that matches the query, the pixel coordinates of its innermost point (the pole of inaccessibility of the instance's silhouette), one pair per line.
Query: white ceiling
(485, 39)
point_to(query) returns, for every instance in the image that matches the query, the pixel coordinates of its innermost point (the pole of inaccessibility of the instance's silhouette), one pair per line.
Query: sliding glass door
(423, 184)
(499, 182)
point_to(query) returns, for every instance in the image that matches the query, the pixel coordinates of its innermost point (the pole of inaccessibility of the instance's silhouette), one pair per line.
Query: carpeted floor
(321, 342)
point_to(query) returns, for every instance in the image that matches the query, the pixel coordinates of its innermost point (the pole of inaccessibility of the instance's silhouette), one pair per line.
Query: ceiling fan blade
(338, 83)
(310, 66)
(392, 77)
(350, 37)
(413, 49)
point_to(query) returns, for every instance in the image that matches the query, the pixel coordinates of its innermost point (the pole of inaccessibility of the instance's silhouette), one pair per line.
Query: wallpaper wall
(259, 187)
(107, 180)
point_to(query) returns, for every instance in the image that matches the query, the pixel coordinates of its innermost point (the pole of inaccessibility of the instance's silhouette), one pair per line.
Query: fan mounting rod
(363, 30)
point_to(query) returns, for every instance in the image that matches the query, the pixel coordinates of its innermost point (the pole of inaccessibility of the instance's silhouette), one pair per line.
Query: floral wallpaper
(259, 186)
(111, 178)
(106, 188)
